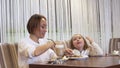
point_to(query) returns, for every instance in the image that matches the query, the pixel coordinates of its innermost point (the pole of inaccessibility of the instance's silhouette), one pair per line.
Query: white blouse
(26, 50)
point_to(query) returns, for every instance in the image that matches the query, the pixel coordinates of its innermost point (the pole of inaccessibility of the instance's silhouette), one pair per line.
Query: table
(91, 62)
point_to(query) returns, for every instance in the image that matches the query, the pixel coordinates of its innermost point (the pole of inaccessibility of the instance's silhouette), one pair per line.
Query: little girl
(80, 46)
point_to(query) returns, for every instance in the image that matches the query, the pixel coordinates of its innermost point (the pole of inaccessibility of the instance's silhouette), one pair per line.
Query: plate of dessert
(77, 55)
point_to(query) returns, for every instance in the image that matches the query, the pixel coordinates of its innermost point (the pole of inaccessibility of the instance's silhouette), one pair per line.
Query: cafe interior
(98, 19)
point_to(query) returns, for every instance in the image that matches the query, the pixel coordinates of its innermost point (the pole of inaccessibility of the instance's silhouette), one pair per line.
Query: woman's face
(78, 41)
(40, 31)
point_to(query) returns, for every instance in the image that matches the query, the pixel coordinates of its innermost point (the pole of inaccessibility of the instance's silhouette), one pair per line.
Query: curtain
(98, 19)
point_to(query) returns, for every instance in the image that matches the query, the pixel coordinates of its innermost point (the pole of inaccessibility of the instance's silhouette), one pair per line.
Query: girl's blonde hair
(85, 45)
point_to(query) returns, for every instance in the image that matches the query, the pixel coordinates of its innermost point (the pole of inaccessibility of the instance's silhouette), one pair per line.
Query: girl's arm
(94, 48)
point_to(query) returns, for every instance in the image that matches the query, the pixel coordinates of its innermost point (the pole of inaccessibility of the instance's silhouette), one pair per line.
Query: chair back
(1, 59)
(113, 44)
(9, 55)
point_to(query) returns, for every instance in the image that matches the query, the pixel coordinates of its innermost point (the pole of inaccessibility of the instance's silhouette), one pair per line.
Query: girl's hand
(68, 52)
(90, 40)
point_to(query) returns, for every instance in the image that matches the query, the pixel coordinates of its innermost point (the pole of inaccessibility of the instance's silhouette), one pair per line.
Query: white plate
(78, 58)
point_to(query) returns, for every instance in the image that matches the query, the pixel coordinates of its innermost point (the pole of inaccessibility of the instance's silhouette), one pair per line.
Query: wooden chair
(113, 44)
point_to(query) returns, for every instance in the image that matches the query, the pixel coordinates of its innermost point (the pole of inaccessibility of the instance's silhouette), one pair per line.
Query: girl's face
(78, 41)
(40, 31)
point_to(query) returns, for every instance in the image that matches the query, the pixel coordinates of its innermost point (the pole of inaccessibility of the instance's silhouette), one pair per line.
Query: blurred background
(98, 19)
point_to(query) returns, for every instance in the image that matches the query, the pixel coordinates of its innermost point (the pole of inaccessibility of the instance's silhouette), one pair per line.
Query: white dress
(26, 51)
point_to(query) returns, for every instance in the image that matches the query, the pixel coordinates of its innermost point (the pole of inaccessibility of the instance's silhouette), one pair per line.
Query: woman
(80, 46)
(34, 48)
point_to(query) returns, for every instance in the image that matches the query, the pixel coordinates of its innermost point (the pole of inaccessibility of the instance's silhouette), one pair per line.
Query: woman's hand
(89, 39)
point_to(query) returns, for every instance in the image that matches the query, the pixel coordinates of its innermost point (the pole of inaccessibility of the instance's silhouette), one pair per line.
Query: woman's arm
(41, 49)
(28, 50)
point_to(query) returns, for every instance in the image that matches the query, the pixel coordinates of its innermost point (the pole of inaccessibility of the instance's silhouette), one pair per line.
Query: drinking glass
(59, 50)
